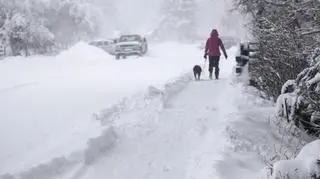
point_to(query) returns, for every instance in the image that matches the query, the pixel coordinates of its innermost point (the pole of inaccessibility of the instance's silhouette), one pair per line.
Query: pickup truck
(128, 45)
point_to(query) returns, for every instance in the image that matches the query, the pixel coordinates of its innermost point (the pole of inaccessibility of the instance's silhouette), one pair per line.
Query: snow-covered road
(180, 136)
(47, 103)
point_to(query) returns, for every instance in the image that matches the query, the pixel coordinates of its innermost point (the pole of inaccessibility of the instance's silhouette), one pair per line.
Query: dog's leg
(195, 75)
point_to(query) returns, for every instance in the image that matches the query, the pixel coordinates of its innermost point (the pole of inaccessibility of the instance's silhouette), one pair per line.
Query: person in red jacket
(213, 51)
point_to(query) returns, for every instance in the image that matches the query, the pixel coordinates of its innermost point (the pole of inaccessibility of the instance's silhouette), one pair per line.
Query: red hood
(214, 33)
(213, 44)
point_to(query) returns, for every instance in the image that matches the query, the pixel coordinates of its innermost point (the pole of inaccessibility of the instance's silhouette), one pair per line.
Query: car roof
(131, 35)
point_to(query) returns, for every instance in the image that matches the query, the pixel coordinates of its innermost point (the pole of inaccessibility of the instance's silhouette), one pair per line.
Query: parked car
(247, 51)
(128, 45)
(108, 45)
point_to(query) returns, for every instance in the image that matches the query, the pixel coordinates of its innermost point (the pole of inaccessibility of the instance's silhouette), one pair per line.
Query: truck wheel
(124, 57)
(117, 57)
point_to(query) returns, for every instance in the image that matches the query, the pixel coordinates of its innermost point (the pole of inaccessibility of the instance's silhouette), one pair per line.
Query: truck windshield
(128, 38)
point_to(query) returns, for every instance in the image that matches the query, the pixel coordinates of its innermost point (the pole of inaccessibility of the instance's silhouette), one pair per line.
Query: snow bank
(53, 168)
(258, 138)
(96, 148)
(305, 165)
(264, 146)
(83, 52)
(19, 71)
(100, 145)
(152, 100)
(141, 100)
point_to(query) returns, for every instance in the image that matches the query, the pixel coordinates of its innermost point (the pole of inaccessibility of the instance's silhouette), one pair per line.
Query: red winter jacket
(213, 43)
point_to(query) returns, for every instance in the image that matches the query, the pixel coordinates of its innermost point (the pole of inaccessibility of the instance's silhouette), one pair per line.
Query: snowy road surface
(181, 136)
(182, 141)
(47, 103)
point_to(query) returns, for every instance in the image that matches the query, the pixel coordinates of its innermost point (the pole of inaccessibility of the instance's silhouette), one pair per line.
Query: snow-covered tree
(178, 20)
(20, 29)
(38, 25)
(71, 21)
(287, 31)
(288, 34)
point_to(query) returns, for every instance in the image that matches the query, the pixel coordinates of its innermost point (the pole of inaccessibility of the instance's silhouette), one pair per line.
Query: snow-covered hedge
(300, 98)
(306, 165)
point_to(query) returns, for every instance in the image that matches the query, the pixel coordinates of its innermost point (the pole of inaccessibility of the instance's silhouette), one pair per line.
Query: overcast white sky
(141, 16)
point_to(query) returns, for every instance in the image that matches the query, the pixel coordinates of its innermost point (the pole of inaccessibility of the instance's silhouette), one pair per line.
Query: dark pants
(214, 62)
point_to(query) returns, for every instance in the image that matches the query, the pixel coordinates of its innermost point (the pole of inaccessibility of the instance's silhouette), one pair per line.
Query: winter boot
(217, 73)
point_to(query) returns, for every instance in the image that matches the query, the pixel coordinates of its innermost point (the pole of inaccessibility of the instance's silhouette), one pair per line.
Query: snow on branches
(287, 32)
(301, 104)
(38, 26)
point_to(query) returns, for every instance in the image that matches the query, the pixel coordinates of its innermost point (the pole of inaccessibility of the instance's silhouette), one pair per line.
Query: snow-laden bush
(306, 165)
(300, 99)
(28, 27)
(27, 35)
(287, 31)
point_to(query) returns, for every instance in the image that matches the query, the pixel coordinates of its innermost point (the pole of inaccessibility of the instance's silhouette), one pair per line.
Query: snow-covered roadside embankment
(258, 138)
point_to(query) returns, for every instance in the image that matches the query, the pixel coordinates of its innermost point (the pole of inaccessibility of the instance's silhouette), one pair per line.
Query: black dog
(197, 72)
